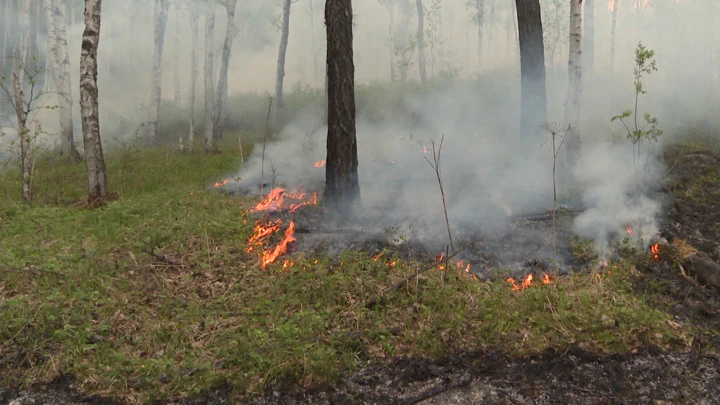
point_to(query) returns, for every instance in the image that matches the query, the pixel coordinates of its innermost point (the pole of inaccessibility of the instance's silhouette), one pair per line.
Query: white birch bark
(24, 29)
(282, 51)
(574, 96)
(209, 82)
(588, 47)
(176, 54)
(50, 46)
(23, 132)
(194, 17)
(89, 109)
(221, 98)
(160, 16)
(612, 34)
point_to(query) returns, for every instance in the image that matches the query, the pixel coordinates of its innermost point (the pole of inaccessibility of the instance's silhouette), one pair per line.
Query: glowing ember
(655, 250)
(377, 256)
(221, 183)
(629, 231)
(319, 163)
(527, 282)
(269, 256)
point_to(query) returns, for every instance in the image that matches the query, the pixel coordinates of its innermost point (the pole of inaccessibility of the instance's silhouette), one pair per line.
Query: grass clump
(79, 294)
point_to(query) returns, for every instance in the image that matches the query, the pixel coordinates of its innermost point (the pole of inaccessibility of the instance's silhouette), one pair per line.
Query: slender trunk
(421, 40)
(533, 109)
(24, 134)
(575, 71)
(22, 48)
(613, 26)
(222, 86)
(588, 36)
(63, 83)
(280, 75)
(209, 73)
(176, 56)
(89, 110)
(513, 8)
(194, 17)
(391, 40)
(50, 46)
(161, 14)
(480, 23)
(7, 21)
(491, 22)
(342, 188)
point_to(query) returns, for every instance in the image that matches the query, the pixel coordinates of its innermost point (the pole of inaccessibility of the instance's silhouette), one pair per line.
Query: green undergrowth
(81, 293)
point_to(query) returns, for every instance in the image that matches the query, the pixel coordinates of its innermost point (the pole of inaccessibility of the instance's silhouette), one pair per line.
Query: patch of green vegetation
(80, 294)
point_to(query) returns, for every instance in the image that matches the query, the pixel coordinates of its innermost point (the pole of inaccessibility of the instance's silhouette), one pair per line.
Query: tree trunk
(533, 108)
(5, 62)
(89, 110)
(588, 46)
(342, 188)
(280, 75)
(480, 23)
(421, 40)
(24, 134)
(22, 49)
(194, 17)
(63, 83)
(209, 73)
(176, 56)
(221, 98)
(161, 14)
(574, 96)
(491, 22)
(612, 34)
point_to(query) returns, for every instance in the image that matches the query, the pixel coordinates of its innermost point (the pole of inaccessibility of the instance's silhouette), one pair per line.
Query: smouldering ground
(156, 296)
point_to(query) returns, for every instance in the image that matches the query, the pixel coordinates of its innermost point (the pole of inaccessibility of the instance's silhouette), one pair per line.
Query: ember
(629, 231)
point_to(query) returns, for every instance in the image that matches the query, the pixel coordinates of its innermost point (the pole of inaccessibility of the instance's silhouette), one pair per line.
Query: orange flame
(274, 200)
(319, 163)
(655, 250)
(527, 282)
(629, 231)
(269, 256)
(221, 183)
(425, 149)
(261, 233)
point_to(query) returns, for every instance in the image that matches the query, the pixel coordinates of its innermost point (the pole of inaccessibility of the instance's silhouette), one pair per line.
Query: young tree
(24, 133)
(613, 26)
(589, 37)
(59, 60)
(194, 20)
(160, 16)
(221, 98)
(342, 188)
(574, 96)
(209, 83)
(24, 28)
(280, 74)
(421, 40)
(89, 109)
(533, 105)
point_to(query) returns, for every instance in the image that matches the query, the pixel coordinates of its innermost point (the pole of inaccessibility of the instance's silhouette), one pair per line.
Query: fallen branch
(373, 301)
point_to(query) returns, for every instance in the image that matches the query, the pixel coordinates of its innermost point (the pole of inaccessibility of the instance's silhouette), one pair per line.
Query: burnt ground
(573, 376)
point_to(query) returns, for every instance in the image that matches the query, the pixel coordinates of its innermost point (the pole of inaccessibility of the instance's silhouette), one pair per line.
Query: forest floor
(155, 298)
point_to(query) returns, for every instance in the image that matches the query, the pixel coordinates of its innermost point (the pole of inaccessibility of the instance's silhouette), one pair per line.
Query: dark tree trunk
(342, 188)
(588, 45)
(421, 40)
(533, 108)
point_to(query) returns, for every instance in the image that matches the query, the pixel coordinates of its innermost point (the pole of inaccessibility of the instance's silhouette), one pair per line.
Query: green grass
(79, 295)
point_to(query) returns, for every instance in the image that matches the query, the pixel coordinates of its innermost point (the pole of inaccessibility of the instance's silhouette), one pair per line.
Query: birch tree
(588, 36)
(6, 45)
(533, 105)
(421, 40)
(613, 27)
(209, 82)
(280, 74)
(194, 45)
(22, 47)
(24, 133)
(574, 96)
(342, 188)
(89, 109)
(160, 22)
(221, 98)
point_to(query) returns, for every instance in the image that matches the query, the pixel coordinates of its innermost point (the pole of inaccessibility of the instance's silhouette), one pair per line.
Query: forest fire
(655, 250)
(629, 231)
(269, 256)
(277, 196)
(319, 163)
(221, 183)
(527, 282)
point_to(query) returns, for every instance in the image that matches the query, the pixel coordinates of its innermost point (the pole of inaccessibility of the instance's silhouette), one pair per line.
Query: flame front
(527, 282)
(275, 199)
(655, 250)
(269, 256)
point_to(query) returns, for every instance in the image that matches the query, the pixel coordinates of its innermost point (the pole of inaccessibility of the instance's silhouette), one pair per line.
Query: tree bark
(89, 110)
(588, 46)
(221, 98)
(62, 81)
(160, 16)
(23, 132)
(22, 48)
(194, 20)
(612, 34)
(176, 56)
(342, 188)
(421, 40)
(7, 22)
(574, 96)
(209, 73)
(280, 74)
(533, 108)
